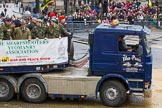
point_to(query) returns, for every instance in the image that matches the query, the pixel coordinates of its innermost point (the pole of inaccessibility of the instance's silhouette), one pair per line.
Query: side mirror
(140, 50)
(90, 39)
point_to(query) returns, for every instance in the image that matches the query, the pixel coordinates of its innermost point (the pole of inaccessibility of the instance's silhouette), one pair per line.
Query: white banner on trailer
(33, 52)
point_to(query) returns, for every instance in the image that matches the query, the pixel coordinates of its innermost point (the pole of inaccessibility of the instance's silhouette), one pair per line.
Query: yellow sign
(5, 59)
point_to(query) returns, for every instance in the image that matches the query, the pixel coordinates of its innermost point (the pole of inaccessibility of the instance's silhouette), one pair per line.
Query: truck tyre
(6, 90)
(33, 90)
(113, 93)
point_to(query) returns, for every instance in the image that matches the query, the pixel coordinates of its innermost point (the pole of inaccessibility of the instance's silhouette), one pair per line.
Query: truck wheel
(113, 93)
(33, 90)
(6, 90)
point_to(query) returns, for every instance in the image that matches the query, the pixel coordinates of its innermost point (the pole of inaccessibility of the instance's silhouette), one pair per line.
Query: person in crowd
(21, 33)
(99, 20)
(65, 33)
(122, 45)
(53, 31)
(106, 21)
(2, 14)
(38, 32)
(140, 16)
(1, 34)
(130, 18)
(14, 25)
(121, 17)
(7, 29)
(32, 23)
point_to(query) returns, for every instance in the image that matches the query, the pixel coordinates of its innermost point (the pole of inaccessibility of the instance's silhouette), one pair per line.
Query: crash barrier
(146, 23)
(160, 24)
(149, 23)
(80, 26)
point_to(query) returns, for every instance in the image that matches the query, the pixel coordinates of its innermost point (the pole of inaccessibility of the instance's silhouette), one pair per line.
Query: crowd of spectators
(125, 12)
(129, 11)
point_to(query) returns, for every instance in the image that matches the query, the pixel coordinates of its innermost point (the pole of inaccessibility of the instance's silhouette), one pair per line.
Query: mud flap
(148, 93)
(136, 97)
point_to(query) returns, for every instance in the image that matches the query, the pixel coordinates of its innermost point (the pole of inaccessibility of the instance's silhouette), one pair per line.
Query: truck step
(135, 80)
(136, 89)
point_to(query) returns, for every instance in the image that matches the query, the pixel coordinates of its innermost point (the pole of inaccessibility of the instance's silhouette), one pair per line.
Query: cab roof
(124, 27)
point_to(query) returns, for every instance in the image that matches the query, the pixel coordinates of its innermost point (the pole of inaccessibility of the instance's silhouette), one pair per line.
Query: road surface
(91, 102)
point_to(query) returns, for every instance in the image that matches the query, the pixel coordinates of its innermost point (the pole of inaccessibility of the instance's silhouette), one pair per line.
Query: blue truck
(113, 74)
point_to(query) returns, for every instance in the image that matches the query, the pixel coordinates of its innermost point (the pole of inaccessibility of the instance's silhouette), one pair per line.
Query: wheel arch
(117, 77)
(32, 75)
(12, 80)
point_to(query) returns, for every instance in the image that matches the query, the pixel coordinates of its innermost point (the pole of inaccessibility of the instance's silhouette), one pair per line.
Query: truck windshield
(147, 44)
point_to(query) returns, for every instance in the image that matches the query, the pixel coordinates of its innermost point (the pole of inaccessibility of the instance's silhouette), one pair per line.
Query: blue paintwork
(148, 68)
(125, 28)
(32, 69)
(107, 61)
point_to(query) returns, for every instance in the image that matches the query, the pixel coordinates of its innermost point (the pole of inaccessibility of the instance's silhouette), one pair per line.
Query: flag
(45, 3)
(150, 3)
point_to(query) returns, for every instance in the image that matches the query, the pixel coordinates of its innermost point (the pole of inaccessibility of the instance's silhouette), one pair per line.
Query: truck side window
(128, 43)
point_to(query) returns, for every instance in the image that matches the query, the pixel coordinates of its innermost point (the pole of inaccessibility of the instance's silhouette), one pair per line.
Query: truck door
(103, 53)
(128, 58)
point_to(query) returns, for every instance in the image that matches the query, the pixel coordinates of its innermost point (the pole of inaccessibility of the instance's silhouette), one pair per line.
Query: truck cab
(132, 66)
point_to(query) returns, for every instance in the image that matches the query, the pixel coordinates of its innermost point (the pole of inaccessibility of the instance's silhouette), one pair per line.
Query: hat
(27, 13)
(41, 17)
(52, 14)
(17, 23)
(35, 15)
(61, 17)
(23, 22)
(8, 19)
(39, 20)
(34, 18)
(54, 20)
